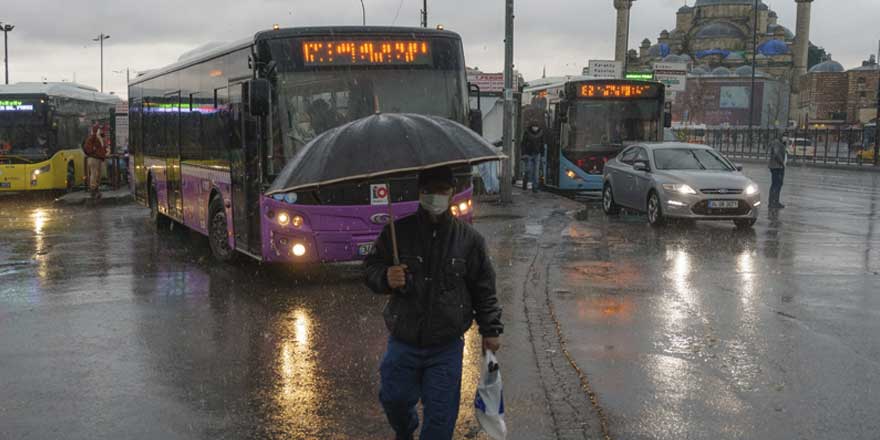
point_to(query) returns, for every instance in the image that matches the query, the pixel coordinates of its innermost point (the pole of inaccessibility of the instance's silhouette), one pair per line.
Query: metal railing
(836, 146)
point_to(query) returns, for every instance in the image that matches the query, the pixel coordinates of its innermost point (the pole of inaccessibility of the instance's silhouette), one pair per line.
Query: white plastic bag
(489, 401)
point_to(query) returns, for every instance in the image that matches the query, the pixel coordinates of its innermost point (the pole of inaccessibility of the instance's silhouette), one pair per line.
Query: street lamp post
(6, 28)
(424, 13)
(364, 12)
(100, 39)
(754, 73)
(507, 131)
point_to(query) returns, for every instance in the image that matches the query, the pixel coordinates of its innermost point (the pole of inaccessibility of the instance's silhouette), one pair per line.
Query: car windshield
(690, 159)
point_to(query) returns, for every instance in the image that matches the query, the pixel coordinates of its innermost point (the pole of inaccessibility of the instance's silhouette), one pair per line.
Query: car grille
(731, 191)
(702, 208)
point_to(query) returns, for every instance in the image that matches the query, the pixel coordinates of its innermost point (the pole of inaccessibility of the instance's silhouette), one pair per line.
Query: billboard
(734, 97)
(487, 82)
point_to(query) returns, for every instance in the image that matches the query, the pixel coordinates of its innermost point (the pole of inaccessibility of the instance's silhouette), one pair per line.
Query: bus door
(136, 149)
(554, 146)
(172, 158)
(244, 164)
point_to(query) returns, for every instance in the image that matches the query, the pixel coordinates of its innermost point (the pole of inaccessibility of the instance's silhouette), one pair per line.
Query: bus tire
(70, 180)
(218, 231)
(157, 218)
(654, 210)
(608, 204)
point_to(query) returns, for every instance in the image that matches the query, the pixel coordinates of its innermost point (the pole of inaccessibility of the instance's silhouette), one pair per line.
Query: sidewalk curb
(114, 197)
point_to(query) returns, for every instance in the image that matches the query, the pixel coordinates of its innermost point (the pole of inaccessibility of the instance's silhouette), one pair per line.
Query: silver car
(678, 180)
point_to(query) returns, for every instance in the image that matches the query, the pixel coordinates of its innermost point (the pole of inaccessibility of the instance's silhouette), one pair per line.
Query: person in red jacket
(96, 152)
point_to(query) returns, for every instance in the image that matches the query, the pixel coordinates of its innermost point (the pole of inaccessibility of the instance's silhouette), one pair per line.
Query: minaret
(622, 36)
(802, 37)
(800, 57)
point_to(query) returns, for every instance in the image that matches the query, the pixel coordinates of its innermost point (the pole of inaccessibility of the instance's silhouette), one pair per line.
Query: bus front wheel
(218, 233)
(71, 177)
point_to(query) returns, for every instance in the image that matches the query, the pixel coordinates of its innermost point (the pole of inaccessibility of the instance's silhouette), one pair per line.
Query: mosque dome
(780, 30)
(699, 71)
(701, 3)
(829, 66)
(747, 72)
(721, 71)
(720, 30)
(773, 47)
(685, 9)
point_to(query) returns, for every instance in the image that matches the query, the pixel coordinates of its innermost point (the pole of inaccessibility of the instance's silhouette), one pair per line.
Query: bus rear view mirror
(258, 94)
(475, 120)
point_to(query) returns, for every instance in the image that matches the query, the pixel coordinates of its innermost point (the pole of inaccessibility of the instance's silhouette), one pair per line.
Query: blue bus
(593, 120)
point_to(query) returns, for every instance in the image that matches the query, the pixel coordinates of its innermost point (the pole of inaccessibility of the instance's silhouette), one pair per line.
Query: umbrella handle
(394, 250)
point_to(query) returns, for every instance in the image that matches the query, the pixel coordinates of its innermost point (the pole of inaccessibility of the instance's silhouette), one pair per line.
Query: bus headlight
(296, 221)
(298, 250)
(41, 170)
(571, 174)
(283, 218)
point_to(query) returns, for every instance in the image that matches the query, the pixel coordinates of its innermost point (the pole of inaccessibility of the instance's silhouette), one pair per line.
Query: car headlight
(751, 190)
(680, 188)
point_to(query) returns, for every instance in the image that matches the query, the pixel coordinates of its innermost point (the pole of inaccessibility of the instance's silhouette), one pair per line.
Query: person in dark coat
(444, 282)
(533, 144)
(776, 161)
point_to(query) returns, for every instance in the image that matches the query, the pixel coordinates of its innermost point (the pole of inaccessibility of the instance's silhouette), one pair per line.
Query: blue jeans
(777, 175)
(531, 169)
(432, 375)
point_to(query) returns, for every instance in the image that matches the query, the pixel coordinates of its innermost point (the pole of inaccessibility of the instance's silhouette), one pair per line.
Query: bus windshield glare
(315, 97)
(614, 122)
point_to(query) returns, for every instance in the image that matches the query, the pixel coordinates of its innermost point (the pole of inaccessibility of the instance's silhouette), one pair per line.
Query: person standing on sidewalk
(95, 152)
(776, 163)
(444, 281)
(533, 144)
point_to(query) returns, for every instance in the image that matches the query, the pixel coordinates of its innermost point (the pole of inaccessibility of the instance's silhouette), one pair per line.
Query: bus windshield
(313, 100)
(609, 122)
(24, 135)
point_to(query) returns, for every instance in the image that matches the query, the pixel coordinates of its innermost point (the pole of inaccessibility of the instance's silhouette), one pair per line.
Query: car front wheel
(608, 204)
(655, 211)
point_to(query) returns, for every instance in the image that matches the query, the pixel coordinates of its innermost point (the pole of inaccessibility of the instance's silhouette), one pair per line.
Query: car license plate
(364, 249)
(723, 204)
(5, 185)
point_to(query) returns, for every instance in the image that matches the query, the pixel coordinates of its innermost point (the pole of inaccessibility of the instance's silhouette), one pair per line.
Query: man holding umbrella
(444, 281)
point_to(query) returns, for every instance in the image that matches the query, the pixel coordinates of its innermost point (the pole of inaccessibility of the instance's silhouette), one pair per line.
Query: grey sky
(53, 38)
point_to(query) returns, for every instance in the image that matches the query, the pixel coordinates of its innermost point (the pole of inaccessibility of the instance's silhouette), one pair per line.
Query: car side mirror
(259, 92)
(475, 120)
(641, 166)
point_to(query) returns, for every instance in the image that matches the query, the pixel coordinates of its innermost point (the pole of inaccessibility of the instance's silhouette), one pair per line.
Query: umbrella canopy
(382, 145)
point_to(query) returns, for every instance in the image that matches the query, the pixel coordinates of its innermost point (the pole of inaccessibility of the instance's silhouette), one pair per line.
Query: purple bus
(209, 134)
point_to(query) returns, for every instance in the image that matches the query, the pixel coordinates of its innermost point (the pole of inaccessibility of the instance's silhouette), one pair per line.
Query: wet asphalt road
(708, 332)
(111, 330)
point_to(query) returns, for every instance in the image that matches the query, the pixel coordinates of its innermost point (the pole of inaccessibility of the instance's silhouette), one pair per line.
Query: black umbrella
(382, 145)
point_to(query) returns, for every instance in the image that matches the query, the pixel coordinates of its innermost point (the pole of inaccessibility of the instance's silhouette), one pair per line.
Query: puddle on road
(534, 230)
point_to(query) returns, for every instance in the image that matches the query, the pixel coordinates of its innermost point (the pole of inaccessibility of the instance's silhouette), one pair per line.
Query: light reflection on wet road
(110, 330)
(709, 332)
(114, 331)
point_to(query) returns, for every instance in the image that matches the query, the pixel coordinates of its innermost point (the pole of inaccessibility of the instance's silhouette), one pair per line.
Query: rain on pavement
(112, 330)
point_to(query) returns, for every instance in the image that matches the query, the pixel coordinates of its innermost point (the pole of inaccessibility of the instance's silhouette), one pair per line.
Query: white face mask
(434, 203)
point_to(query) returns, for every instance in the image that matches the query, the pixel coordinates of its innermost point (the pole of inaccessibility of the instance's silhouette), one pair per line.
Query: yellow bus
(42, 128)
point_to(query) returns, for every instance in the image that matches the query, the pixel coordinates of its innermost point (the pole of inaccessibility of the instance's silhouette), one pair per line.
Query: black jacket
(450, 281)
(533, 143)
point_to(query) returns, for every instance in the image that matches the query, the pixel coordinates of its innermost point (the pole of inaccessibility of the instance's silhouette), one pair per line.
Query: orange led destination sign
(366, 52)
(612, 91)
